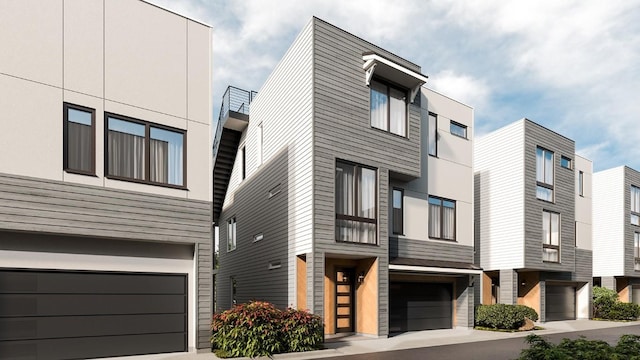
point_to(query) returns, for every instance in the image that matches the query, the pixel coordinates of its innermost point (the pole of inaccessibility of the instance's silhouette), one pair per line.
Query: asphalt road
(490, 350)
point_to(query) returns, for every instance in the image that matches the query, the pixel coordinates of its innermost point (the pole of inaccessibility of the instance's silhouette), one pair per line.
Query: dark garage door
(78, 315)
(560, 302)
(419, 306)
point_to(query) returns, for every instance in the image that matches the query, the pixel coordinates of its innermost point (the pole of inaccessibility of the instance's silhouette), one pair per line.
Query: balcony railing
(234, 99)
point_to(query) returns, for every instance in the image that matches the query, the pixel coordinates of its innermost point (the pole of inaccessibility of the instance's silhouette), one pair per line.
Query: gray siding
(464, 303)
(204, 293)
(256, 212)
(432, 250)
(564, 204)
(584, 265)
(631, 177)
(508, 287)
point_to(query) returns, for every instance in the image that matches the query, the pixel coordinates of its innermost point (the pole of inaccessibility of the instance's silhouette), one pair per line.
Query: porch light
(361, 277)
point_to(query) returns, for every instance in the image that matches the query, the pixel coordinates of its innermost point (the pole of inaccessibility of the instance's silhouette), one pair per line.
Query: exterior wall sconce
(361, 277)
(524, 283)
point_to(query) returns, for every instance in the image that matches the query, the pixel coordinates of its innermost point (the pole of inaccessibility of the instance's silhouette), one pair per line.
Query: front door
(344, 300)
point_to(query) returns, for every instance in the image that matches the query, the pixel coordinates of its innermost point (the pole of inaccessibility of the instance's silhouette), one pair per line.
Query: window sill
(547, 201)
(144, 182)
(78, 172)
(442, 239)
(390, 133)
(356, 243)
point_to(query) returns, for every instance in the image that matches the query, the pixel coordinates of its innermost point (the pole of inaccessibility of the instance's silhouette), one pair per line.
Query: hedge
(606, 305)
(504, 316)
(627, 348)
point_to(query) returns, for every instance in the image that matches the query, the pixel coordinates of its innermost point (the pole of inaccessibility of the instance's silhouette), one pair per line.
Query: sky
(571, 66)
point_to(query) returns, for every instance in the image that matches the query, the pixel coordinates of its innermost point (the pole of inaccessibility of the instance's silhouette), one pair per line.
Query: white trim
(431, 269)
(371, 59)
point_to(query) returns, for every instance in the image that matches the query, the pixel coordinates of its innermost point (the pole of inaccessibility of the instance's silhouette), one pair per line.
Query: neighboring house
(327, 197)
(616, 231)
(105, 173)
(533, 221)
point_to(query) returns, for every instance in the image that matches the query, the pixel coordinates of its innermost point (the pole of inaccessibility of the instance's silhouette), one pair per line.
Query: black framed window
(565, 162)
(398, 211)
(458, 129)
(143, 152)
(550, 236)
(231, 234)
(432, 141)
(79, 139)
(442, 218)
(243, 154)
(388, 108)
(544, 174)
(356, 203)
(635, 205)
(580, 183)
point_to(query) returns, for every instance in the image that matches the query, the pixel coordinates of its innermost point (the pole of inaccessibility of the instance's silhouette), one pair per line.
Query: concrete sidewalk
(352, 345)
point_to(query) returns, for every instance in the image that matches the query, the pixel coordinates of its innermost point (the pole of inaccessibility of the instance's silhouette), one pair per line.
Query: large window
(432, 141)
(636, 251)
(635, 205)
(544, 174)
(79, 139)
(231, 234)
(442, 218)
(356, 209)
(143, 152)
(398, 211)
(388, 108)
(550, 236)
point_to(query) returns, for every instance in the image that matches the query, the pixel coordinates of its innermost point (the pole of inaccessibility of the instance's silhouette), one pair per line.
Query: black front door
(344, 300)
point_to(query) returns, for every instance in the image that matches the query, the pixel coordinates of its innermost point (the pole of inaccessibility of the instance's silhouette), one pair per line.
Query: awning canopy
(433, 266)
(392, 71)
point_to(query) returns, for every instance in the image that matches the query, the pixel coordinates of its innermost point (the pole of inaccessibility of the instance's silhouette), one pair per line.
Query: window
(580, 183)
(635, 205)
(356, 207)
(565, 162)
(544, 174)
(636, 251)
(550, 236)
(259, 147)
(458, 129)
(433, 135)
(231, 234)
(398, 213)
(143, 152)
(244, 162)
(258, 237)
(442, 218)
(388, 108)
(79, 139)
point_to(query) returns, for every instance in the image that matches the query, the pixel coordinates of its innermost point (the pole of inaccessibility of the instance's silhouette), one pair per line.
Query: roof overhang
(392, 71)
(432, 270)
(433, 266)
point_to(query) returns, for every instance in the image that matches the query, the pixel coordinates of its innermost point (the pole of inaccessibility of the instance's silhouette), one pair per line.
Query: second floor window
(398, 211)
(143, 152)
(79, 139)
(635, 205)
(388, 108)
(550, 236)
(356, 200)
(458, 129)
(580, 183)
(231, 234)
(442, 218)
(432, 141)
(544, 174)
(636, 251)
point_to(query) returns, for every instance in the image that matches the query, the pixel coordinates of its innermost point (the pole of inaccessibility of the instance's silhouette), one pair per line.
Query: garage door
(560, 302)
(78, 315)
(419, 306)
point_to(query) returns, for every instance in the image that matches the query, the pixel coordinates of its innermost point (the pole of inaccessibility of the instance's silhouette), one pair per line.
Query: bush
(260, 329)
(628, 347)
(606, 305)
(504, 316)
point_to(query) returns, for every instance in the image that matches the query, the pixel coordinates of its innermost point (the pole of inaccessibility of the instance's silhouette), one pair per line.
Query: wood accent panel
(367, 297)
(623, 289)
(301, 283)
(486, 289)
(529, 294)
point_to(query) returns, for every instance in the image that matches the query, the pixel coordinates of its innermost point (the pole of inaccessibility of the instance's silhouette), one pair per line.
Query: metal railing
(234, 99)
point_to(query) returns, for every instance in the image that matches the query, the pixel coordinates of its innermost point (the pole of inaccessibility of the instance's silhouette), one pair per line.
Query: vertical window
(458, 129)
(442, 218)
(259, 148)
(356, 208)
(231, 234)
(79, 139)
(580, 183)
(544, 174)
(398, 211)
(550, 236)
(388, 108)
(144, 152)
(636, 251)
(433, 135)
(635, 205)
(244, 162)
(565, 162)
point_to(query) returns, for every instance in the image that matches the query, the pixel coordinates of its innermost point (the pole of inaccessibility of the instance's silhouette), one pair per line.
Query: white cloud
(464, 88)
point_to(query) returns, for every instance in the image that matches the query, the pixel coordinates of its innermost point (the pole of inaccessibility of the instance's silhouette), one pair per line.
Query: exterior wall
(584, 217)
(631, 177)
(499, 200)
(610, 217)
(564, 198)
(283, 107)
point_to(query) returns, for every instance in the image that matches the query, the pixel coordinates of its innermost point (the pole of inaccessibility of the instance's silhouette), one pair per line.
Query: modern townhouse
(616, 231)
(105, 180)
(533, 221)
(347, 189)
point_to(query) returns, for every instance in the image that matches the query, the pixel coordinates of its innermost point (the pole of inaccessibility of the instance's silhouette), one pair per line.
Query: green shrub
(260, 329)
(628, 348)
(504, 316)
(606, 305)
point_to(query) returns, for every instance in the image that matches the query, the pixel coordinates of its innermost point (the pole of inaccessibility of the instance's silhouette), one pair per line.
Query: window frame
(243, 159)
(147, 155)
(441, 209)
(65, 136)
(636, 251)
(632, 211)
(568, 161)
(581, 183)
(453, 124)
(389, 85)
(357, 192)
(399, 213)
(546, 245)
(232, 236)
(435, 135)
(543, 184)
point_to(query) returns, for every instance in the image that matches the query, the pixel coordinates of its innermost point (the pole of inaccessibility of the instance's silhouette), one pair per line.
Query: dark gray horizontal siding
(204, 292)
(584, 265)
(431, 249)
